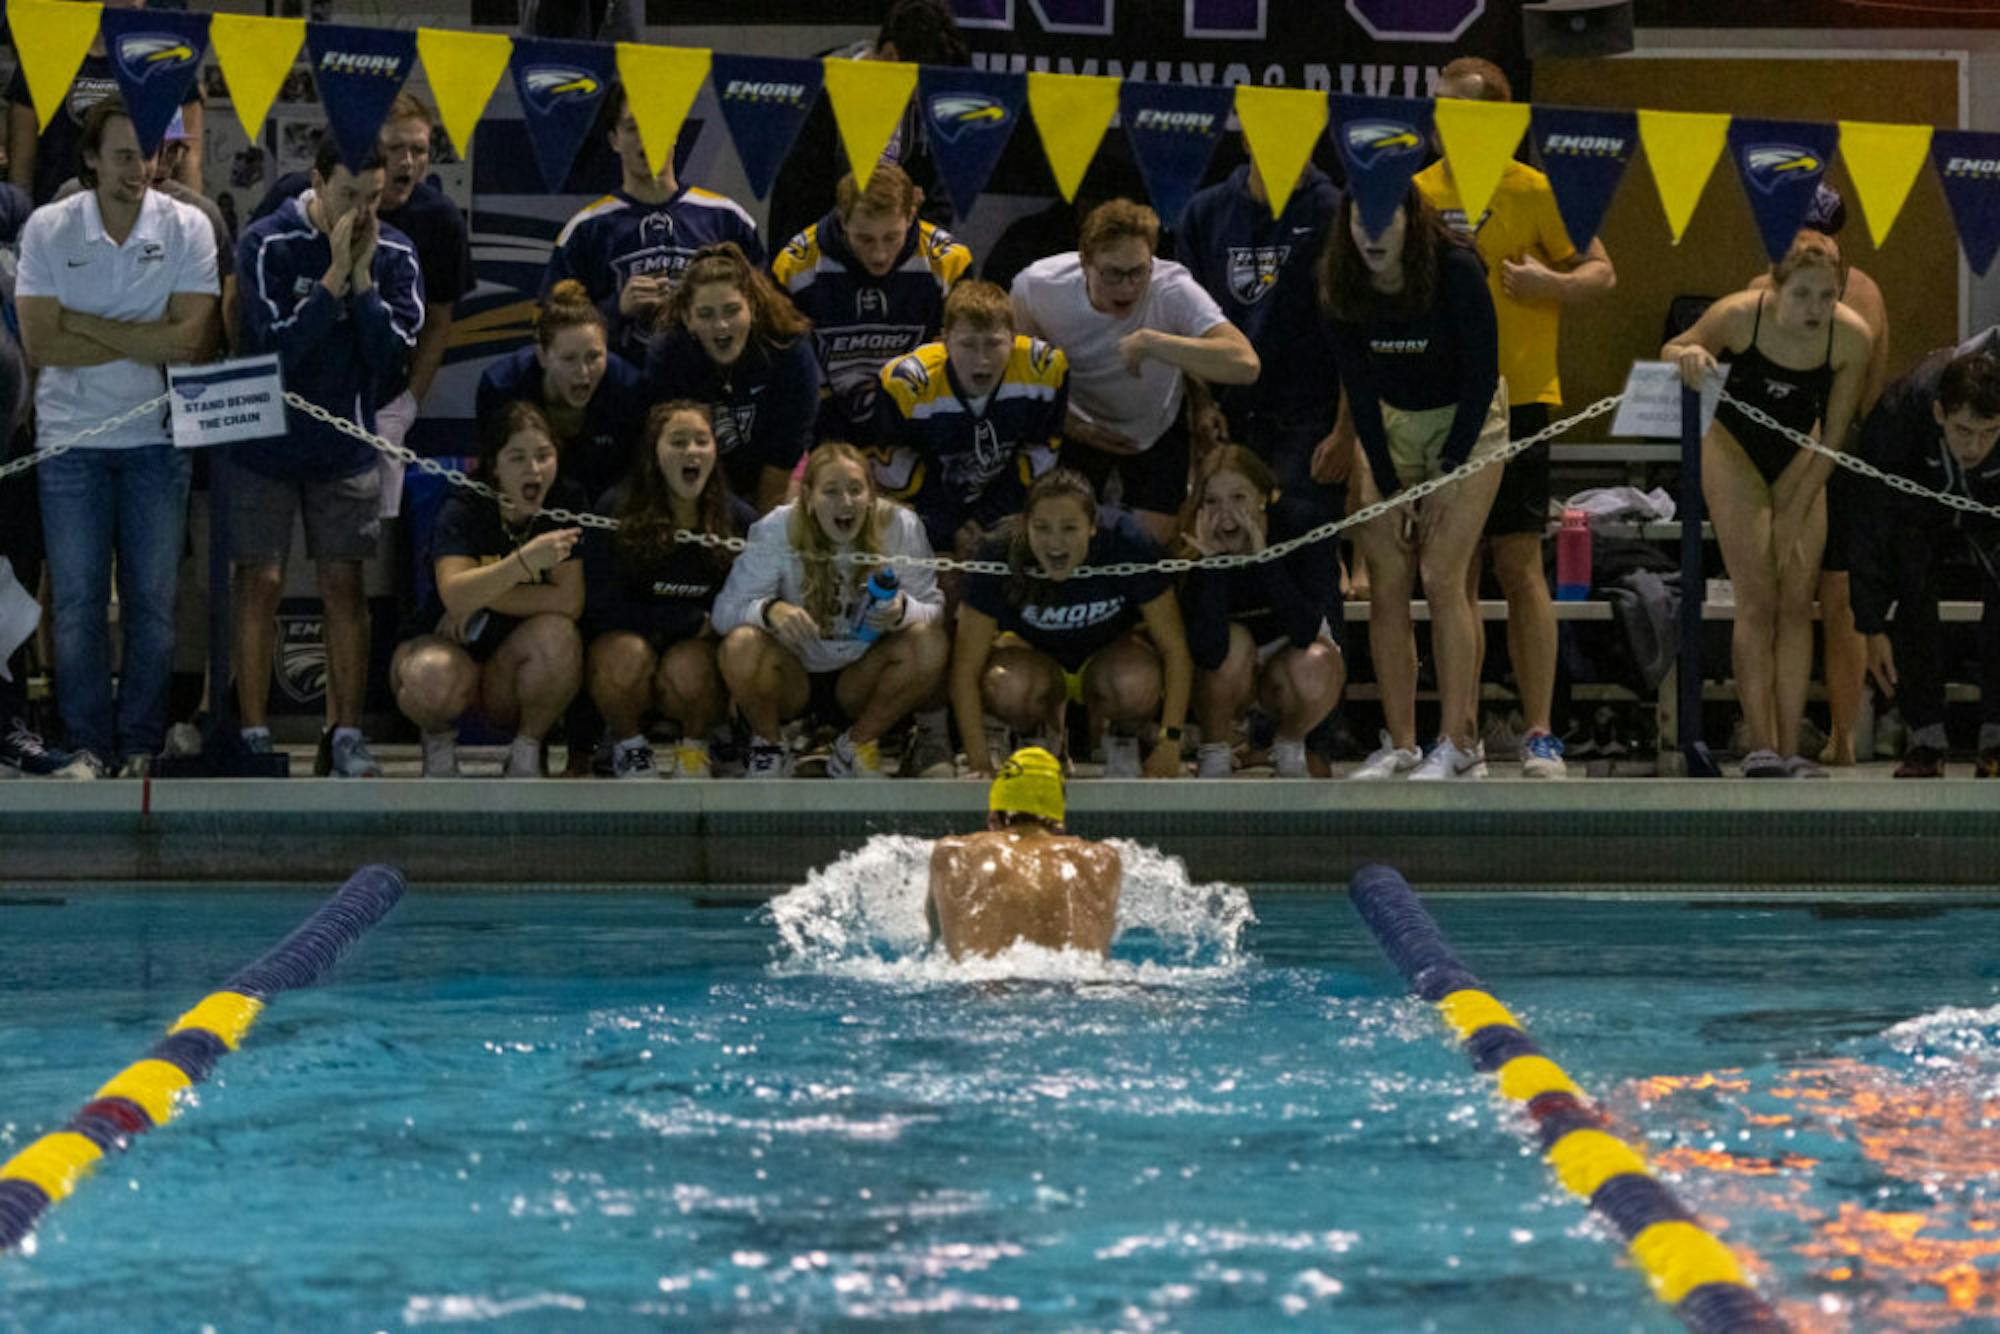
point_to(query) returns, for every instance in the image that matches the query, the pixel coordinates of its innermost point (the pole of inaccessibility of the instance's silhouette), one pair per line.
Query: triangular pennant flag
(1382, 140)
(1681, 148)
(1883, 162)
(51, 38)
(868, 98)
(155, 56)
(661, 83)
(255, 55)
(1968, 165)
(1479, 140)
(358, 71)
(1781, 163)
(970, 114)
(1584, 153)
(1172, 128)
(464, 69)
(1281, 125)
(764, 101)
(1072, 112)
(562, 85)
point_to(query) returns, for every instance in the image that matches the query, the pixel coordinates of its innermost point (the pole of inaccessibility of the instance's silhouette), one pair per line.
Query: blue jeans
(132, 502)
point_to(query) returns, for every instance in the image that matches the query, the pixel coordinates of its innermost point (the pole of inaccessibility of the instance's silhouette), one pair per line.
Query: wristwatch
(1170, 734)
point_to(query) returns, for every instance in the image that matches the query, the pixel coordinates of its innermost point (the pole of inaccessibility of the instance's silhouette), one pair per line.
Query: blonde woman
(801, 633)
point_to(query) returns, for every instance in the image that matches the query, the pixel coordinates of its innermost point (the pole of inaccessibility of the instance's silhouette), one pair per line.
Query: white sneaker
(441, 755)
(1213, 761)
(766, 760)
(854, 759)
(1446, 761)
(1121, 756)
(524, 759)
(1288, 758)
(1390, 761)
(629, 761)
(1542, 756)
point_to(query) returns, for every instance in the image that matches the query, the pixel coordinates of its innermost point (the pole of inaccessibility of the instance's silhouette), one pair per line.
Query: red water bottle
(1573, 557)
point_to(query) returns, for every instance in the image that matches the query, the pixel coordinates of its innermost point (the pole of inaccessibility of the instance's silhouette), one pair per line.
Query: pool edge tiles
(1688, 837)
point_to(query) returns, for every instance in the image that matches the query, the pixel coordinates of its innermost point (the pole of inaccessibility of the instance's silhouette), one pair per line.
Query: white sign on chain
(226, 401)
(1650, 407)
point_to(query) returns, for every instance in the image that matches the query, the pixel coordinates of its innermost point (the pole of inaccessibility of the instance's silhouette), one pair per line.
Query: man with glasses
(1133, 326)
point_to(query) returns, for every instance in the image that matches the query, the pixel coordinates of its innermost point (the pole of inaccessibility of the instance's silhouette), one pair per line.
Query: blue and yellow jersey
(608, 243)
(862, 322)
(951, 460)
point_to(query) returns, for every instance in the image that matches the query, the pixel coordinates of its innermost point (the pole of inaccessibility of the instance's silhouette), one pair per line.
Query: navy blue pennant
(1584, 152)
(1172, 128)
(562, 86)
(764, 101)
(358, 72)
(1968, 165)
(1383, 141)
(970, 114)
(1781, 163)
(155, 57)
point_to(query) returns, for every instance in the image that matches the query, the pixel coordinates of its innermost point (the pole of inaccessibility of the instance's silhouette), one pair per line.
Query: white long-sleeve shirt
(769, 570)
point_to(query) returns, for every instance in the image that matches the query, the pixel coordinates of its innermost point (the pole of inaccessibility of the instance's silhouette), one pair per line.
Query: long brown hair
(1055, 484)
(773, 317)
(1346, 284)
(1223, 458)
(646, 527)
(824, 578)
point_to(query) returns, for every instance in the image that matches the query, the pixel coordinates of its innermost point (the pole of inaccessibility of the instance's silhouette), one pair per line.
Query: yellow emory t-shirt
(1521, 220)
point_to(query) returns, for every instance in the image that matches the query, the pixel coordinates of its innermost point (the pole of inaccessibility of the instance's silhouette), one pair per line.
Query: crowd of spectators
(752, 425)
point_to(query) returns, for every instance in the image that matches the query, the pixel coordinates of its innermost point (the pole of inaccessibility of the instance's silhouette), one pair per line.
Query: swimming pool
(545, 1110)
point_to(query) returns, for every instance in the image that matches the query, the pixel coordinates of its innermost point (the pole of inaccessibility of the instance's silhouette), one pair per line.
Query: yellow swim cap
(1029, 783)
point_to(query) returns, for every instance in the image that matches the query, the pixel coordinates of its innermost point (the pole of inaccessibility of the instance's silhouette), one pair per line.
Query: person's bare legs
(1531, 623)
(1444, 560)
(891, 679)
(1797, 578)
(533, 675)
(1846, 666)
(259, 586)
(345, 628)
(766, 682)
(621, 668)
(1739, 505)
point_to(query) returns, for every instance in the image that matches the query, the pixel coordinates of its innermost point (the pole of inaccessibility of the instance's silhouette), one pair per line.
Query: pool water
(606, 1111)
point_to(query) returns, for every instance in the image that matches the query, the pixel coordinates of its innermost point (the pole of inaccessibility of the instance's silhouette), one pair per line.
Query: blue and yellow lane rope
(1688, 1268)
(147, 1093)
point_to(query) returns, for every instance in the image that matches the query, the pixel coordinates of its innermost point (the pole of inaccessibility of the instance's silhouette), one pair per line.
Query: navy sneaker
(23, 754)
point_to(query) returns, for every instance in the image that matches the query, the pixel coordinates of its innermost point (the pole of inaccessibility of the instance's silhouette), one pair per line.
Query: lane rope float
(1688, 1267)
(147, 1093)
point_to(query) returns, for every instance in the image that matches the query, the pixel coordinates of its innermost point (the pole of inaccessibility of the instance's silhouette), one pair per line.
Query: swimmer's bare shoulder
(989, 889)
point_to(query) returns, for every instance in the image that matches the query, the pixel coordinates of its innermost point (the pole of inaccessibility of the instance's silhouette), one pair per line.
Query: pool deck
(1860, 832)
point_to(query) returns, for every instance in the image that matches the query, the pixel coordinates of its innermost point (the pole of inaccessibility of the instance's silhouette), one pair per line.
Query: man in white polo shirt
(1132, 326)
(116, 282)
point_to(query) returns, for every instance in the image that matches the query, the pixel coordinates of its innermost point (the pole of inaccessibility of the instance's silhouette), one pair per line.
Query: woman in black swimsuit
(1799, 355)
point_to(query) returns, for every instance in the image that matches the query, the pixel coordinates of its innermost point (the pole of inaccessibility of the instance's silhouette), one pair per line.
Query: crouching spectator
(801, 632)
(653, 649)
(508, 598)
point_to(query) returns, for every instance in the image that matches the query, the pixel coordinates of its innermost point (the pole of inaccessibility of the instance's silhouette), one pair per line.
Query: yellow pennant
(1883, 162)
(1072, 112)
(1479, 140)
(661, 83)
(1281, 126)
(1682, 147)
(51, 38)
(464, 68)
(868, 98)
(256, 55)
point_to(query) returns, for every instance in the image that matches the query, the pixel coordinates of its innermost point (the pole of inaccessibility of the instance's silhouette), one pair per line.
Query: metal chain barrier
(1856, 464)
(64, 444)
(1170, 565)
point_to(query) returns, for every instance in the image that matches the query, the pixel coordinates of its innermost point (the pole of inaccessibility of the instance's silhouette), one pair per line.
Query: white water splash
(1950, 1037)
(863, 917)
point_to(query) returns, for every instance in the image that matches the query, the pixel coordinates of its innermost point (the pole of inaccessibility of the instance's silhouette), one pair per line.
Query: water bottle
(1573, 557)
(882, 587)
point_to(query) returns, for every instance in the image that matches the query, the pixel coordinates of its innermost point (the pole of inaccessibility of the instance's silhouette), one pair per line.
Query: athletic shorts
(343, 517)
(1521, 505)
(1156, 480)
(1417, 436)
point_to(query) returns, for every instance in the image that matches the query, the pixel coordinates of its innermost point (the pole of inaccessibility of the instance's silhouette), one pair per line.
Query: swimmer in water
(1023, 877)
